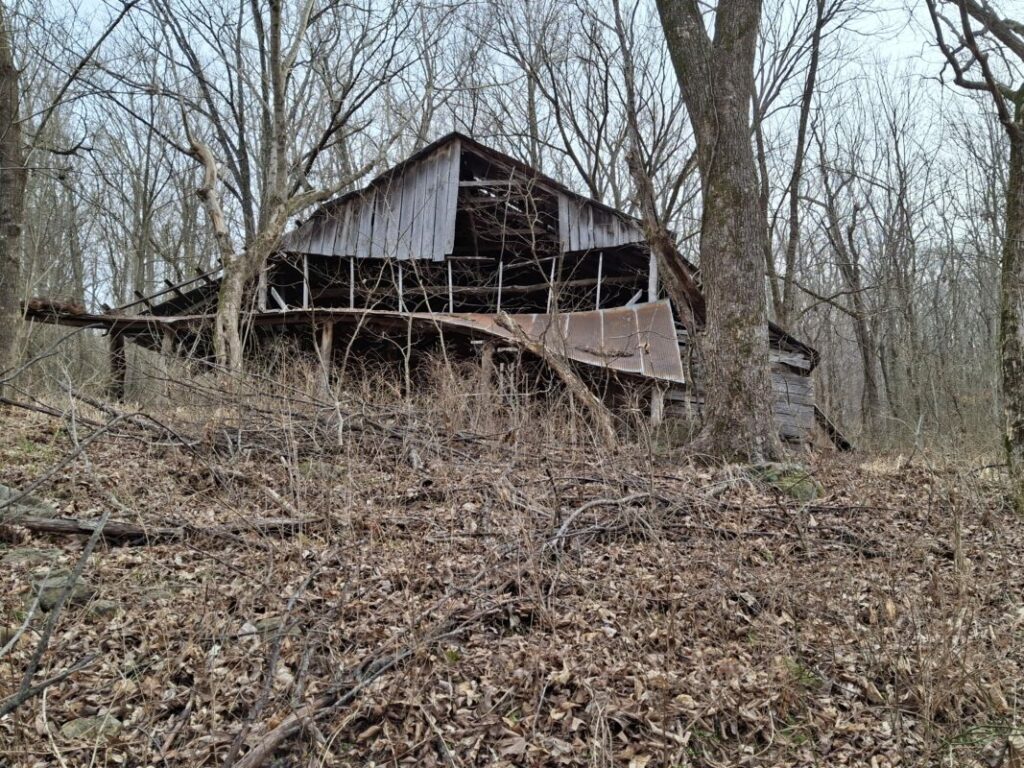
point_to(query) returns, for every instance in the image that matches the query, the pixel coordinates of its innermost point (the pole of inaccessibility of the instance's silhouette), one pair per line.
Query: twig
(27, 690)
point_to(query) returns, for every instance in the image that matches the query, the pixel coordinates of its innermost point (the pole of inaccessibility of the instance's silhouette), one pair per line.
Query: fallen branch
(602, 416)
(371, 669)
(122, 532)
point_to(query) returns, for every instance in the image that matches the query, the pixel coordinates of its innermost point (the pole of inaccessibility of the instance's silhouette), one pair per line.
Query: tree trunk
(784, 310)
(1011, 340)
(227, 332)
(716, 78)
(12, 198)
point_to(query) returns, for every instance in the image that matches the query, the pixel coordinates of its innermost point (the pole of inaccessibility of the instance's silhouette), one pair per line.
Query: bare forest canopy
(884, 246)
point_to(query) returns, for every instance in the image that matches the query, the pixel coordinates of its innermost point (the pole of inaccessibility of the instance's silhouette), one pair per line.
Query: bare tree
(12, 194)
(985, 52)
(260, 140)
(715, 73)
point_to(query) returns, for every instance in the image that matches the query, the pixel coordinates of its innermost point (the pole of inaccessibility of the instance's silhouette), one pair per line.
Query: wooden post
(451, 292)
(118, 366)
(652, 279)
(551, 284)
(305, 281)
(401, 289)
(352, 283)
(600, 268)
(501, 280)
(327, 352)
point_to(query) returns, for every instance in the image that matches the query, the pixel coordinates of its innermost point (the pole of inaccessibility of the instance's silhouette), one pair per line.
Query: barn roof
(409, 211)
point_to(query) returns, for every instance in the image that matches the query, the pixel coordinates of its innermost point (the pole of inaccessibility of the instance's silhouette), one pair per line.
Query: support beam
(600, 268)
(327, 352)
(305, 281)
(451, 293)
(401, 288)
(501, 280)
(352, 283)
(277, 298)
(173, 288)
(118, 367)
(551, 285)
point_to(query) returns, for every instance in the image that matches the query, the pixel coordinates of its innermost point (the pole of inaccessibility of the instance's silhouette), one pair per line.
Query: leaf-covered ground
(484, 603)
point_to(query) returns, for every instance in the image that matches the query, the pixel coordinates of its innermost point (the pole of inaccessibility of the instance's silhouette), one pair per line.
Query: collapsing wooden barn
(440, 247)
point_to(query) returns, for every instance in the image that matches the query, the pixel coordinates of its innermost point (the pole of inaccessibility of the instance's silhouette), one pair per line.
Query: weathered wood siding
(791, 383)
(406, 215)
(582, 225)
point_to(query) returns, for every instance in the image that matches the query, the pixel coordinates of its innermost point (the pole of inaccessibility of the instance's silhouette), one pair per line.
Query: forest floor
(461, 601)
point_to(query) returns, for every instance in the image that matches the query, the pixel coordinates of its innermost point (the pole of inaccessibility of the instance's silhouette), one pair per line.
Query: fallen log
(120, 532)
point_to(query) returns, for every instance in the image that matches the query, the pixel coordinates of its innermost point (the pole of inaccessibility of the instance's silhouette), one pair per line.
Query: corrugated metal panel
(407, 215)
(583, 226)
(640, 339)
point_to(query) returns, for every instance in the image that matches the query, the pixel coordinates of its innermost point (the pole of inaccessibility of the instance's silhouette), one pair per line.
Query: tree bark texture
(716, 78)
(1011, 341)
(12, 194)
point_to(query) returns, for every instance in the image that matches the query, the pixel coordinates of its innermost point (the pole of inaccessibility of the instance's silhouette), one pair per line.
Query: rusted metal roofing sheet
(639, 339)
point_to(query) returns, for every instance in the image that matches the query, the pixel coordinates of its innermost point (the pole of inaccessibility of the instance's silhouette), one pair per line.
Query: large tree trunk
(1012, 315)
(12, 197)
(716, 77)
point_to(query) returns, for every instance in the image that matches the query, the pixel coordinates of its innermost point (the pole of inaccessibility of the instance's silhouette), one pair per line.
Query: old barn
(436, 250)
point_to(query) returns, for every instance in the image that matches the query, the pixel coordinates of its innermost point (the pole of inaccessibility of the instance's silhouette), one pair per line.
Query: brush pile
(456, 600)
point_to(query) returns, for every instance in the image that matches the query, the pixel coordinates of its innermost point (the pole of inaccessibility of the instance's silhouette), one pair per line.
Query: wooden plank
(407, 214)
(563, 221)
(351, 283)
(340, 245)
(444, 237)
(416, 221)
(451, 202)
(305, 281)
(364, 242)
(391, 211)
(792, 359)
(429, 245)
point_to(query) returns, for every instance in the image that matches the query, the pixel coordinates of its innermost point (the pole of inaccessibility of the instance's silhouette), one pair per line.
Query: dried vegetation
(478, 585)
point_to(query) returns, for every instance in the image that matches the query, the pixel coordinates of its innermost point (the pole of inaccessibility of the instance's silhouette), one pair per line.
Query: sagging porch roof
(638, 340)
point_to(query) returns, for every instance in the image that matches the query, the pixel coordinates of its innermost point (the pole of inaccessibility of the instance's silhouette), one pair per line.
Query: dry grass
(559, 605)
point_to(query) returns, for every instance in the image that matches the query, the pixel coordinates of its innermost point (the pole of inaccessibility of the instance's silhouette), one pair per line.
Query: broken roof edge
(478, 147)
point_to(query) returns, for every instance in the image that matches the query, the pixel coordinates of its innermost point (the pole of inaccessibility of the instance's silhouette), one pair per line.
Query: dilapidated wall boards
(583, 226)
(405, 214)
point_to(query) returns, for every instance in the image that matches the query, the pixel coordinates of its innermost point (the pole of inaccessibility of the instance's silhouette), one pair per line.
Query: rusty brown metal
(639, 339)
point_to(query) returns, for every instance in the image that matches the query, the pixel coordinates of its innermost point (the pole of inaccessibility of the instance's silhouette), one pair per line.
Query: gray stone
(98, 728)
(51, 588)
(158, 594)
(102, 609)
(27, 556)
(30, 505)
(791, 479)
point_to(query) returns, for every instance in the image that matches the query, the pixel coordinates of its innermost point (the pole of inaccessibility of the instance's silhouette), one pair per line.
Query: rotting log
(123, 532)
